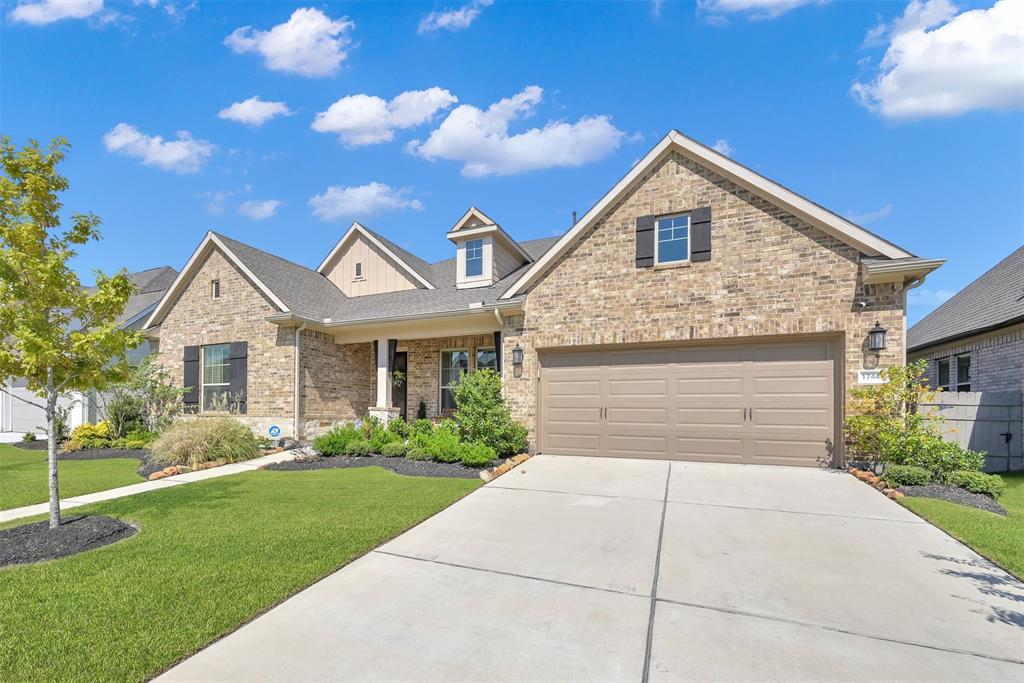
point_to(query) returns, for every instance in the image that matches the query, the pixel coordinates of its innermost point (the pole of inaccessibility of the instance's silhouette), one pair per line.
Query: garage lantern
(876, 337)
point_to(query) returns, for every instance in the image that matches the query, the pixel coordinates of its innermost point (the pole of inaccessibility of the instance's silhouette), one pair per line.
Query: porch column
(383, 380)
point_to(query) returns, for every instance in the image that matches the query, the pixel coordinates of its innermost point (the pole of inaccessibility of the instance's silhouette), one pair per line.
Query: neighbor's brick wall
(770, 274)
(337, 379)
(424, 374)
(997, 360)
(239, 315)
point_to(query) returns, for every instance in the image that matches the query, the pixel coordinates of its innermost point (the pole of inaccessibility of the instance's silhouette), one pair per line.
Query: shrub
(359, 448)
(476, 454)
(336, 441)
(91, 435)
(417, 453)
(29, 437)
(381, 437)
(60, 424)
(126, 413)
(399, 427)
(395, 449)
(134, 440)
(906, 475)
(978, 482)
(422, 428)
(482, 415)
(421, 410)
(443, 444)
(190, 442)
(943, 458)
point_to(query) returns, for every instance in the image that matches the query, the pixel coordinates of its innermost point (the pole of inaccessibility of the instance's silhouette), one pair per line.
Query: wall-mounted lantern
(517, 361)
(876, 337)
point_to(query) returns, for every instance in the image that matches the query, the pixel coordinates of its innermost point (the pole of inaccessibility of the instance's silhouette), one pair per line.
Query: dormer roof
(475, 223)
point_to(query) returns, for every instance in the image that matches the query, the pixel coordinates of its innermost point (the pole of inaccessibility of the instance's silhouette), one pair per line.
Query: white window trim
(202, 377)
(657, 242)
(465, 261)
(215, 288)
(358, 274)
(440, 368)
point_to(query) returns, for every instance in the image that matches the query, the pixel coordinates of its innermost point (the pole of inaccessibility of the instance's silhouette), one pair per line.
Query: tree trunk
(51, 428)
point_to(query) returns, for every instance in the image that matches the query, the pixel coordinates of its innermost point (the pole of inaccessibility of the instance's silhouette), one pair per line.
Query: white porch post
(383, 381)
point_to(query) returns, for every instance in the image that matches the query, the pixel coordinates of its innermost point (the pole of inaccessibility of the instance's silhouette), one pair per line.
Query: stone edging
(185, 469)
(490, 475)
(875, 482)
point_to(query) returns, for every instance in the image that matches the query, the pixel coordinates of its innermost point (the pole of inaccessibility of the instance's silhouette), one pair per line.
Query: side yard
(23, 476)
(999, 538)
(209, 556)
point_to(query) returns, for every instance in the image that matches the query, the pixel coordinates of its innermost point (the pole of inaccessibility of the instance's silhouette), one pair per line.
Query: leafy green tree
(482, 416)
(58, 335)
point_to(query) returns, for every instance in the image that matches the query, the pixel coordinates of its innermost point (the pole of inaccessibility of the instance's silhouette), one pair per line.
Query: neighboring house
(975, 340)
(698, 311)
(20, 417)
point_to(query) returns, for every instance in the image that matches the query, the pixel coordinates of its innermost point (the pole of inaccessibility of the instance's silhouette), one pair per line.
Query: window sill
(673, 264)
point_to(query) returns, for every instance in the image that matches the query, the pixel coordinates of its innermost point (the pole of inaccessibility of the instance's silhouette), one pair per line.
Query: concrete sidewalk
(607, 569)
(146, 486)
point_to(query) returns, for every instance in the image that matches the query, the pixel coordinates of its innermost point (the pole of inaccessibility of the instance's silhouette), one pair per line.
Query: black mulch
(412, 468)
(36, 542)
(146, 468)
(955, 494)
(37, 445)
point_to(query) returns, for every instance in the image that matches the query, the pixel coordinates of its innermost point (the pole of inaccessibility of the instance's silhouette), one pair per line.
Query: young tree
(59, 336)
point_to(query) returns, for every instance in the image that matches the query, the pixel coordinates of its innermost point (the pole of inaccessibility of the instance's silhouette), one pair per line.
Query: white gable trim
(473, 212)
(805, 209)
(357, 228)
(209, 243)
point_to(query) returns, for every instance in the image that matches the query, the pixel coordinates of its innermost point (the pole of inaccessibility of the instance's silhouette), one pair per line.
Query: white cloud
(183, 155)
(366, 120)
(754, 9)
(254, 111)
(481, 141)
(215, 201)
(360, 201)
(258, 210)
(869, 216)
(722, 146)
(453, 20)
(49, 11)
(968, 61)
(309, 44)
(656, 8)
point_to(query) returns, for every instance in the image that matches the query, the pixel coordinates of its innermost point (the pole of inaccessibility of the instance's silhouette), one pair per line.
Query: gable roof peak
(473, 217)
(412, 264)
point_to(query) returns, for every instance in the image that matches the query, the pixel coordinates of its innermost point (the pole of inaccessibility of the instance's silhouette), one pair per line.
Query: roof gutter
(969, 333)
(514, 304)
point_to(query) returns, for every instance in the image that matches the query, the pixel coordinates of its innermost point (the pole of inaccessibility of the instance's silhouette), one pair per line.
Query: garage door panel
(636, 446)
(572, 443)
(709, 386)
(651, 388)
(580, 416)
(636, 417)
(709, 449)
(570, 388)
(697, 417)
(790, 418)
(773, 387)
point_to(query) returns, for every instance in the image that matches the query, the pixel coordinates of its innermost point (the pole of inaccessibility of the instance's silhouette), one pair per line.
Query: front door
(399, 390)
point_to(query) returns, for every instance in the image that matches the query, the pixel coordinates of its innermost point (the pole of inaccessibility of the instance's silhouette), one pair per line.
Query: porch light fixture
(876, 337)
(517, 356)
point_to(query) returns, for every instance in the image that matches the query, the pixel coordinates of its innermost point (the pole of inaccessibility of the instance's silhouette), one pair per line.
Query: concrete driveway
(608, 569)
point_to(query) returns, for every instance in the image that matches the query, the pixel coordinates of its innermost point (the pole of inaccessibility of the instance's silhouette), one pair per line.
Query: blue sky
(904, 117)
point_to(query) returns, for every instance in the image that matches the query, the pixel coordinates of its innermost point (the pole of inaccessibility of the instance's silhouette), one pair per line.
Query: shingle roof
(150, 286)
(994, 299)
(445, 299)
(422, 268)
(305, 292)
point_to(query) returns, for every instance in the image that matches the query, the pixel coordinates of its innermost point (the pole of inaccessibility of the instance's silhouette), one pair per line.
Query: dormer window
(359, 270)
(474, 258)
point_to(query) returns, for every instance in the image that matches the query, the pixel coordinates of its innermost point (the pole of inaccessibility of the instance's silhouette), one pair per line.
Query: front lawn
(1001, 539)
(23, 479)
(210, 556)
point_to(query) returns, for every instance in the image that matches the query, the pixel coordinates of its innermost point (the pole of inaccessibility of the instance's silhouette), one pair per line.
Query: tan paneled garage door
(768, 403)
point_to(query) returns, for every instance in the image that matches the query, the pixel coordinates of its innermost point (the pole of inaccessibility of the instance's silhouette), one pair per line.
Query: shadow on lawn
(990, 581)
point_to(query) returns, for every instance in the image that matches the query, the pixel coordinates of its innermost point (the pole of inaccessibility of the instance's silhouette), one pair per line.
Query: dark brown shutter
(190, 381)
(497, 351)
(645, 242)
(700, 234)
(239, 365)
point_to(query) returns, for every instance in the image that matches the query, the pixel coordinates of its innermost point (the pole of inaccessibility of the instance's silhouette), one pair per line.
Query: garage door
(768, 404)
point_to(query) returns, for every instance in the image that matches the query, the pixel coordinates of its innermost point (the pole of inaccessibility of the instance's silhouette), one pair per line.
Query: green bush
(906, 475)
(29, 437)
(417, 453)
(134, 440)
(395, 449)
(422, 428)
(359, 448)
(336, 441)
(87, 435)
(399, 427)
(195, 441)
(443, 444)
(482, 415)
(126, 413)
(979, 482)
(476, 455)
(381, 437)
(943, 458)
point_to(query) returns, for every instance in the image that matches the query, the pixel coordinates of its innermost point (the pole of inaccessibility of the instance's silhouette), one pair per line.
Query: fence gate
(988, 421)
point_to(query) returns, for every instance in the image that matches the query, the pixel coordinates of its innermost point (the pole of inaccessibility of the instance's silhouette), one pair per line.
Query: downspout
(298, 429)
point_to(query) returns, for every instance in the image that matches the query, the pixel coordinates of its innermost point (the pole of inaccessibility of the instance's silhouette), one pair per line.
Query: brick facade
(770, 275)
(337, 380)
(424, 375)
(997, 359)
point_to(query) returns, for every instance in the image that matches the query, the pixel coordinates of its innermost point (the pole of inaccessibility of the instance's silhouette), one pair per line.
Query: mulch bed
(955, 494)
(404, 466)
(146, 468)
(37, 542)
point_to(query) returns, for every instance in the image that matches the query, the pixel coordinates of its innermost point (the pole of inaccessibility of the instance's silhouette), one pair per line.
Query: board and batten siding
(980, 420)
(504, 261)
(379, 273)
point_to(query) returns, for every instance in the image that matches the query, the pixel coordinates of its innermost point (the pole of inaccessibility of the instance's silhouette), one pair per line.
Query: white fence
(985, 421)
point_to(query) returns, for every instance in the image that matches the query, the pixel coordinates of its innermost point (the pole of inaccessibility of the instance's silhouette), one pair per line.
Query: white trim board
(805, 209)
(209, 243)
(356, 227)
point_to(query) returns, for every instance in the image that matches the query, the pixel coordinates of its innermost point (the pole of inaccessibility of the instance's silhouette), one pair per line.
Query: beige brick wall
(770, 274)
(425, 367)
(238, 315)
(337, 379)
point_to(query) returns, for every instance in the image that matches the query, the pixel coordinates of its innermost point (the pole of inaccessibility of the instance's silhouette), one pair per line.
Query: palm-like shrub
(191, 442)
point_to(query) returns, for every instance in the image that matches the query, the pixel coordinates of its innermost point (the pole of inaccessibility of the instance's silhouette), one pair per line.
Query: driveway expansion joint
(654, 583)
(800, 512)
(573, 493)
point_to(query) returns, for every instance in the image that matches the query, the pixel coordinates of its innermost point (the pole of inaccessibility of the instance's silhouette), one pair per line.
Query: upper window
(215, 289)
(943, 368)
(359, 270)
(673, 243)
(963, 373)
(453, 364)
(216, 376)
(486, 359)
(474, 258)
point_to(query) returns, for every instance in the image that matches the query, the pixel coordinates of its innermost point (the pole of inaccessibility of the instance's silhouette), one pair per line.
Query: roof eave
(967, 333)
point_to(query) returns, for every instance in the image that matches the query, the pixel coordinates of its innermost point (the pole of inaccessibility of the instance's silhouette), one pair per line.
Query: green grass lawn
(1001, 539)
(209, 556)
(23, 476)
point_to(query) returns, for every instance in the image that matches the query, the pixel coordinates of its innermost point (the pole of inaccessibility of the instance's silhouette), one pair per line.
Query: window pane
(215, 398)
(674, 250)
(216, 366)
(474, 258)
(963, 370)
(943, 374)
(673, 239)
(486, 359)
(447, 400)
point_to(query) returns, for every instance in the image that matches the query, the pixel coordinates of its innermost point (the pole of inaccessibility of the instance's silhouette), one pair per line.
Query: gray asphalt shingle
(995, 298)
